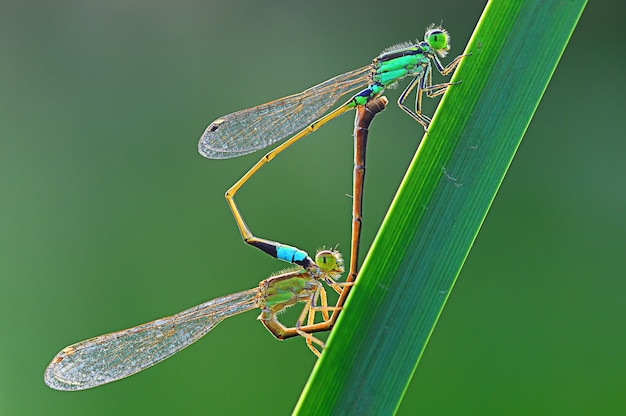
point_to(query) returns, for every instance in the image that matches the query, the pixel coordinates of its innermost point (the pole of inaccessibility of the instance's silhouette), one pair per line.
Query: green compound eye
(438, 39)
(326, 260)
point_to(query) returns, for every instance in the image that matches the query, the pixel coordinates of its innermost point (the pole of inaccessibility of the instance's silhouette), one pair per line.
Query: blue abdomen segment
(283, 252)
(290, 254)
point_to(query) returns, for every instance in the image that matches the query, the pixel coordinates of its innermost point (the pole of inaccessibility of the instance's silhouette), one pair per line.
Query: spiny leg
(310, 309)
(417, 115)
(338, 286)
(281, 331)
(424, 84)
(451, 66)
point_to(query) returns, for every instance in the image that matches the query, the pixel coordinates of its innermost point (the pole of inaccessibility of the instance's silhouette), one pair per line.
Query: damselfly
(255, 128)
(110, 357)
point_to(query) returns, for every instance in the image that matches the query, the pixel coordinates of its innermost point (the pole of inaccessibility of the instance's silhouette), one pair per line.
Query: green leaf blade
(439, 208)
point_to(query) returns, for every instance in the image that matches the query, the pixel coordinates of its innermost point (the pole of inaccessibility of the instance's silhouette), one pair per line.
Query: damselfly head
(439, 39)
(329, 261)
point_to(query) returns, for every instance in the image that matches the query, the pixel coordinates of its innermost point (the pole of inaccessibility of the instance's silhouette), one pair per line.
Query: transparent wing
(252, 129)
(111, 357)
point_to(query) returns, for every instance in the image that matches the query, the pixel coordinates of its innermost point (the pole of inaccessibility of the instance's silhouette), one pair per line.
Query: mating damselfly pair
(110, 357)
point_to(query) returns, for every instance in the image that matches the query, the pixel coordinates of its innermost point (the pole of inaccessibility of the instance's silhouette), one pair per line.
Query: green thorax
(395, 63)
(399, 62)
(283, 291)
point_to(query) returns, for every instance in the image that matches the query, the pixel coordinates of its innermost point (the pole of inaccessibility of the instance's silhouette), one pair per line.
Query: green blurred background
(110, 218)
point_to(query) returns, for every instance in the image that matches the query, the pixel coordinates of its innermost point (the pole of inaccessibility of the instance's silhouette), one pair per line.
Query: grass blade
(439, 208)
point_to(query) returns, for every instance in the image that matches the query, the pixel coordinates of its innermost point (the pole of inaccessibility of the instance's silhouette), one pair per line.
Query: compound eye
(437, 39)
(326, 260)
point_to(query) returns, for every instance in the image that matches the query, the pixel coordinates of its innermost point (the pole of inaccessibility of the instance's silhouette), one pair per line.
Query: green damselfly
(255, 128)
(113, 356)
